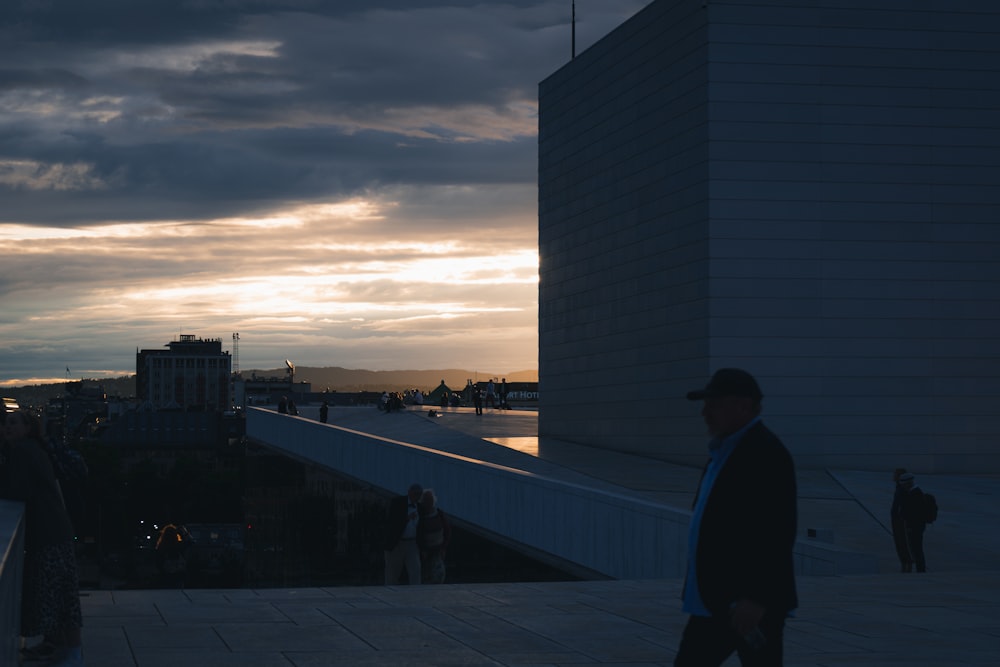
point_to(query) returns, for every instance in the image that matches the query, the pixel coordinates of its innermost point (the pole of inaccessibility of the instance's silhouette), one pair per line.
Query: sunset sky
(343, 183)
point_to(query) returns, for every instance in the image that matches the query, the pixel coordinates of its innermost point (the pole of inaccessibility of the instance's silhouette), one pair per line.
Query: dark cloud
(39, 78)
(139, 110)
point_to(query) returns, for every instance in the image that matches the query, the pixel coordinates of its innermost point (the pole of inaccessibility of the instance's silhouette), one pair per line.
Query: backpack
(930, 508)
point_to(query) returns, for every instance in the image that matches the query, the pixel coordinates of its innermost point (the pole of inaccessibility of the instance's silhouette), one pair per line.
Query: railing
(602, 532)
(11, 572)
(605, 533)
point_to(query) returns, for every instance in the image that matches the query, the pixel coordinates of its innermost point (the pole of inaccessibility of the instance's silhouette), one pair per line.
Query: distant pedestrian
(324, 411)
(491, 395)
(740, 583)
(477, 399)
(283, 405)
(433, 535)
(504, 405)
(898, 523)
(914, 519)
(400, 545)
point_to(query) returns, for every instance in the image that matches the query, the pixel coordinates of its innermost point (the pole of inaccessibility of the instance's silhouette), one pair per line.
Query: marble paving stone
(108, 647)
(286, 595)
(304, 615)
(175, 638)
(250, 637)
(494, 627)
(151, 657)
(626, 649)
(131, 620)
(513, 642)
(571, 626)
(404, 658)
(548, 658)
(222, 613)
(430, 642)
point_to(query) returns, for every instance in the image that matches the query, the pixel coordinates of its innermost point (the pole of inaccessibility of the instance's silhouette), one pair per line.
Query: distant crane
(236, 354)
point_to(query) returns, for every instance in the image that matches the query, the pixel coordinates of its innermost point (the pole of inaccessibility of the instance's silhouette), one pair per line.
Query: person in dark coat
(401, 523)
(899, 524)
(433, 536)
(740, 582)
(914, 519)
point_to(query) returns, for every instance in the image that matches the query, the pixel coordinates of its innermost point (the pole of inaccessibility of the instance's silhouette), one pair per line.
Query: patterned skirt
(50, 602)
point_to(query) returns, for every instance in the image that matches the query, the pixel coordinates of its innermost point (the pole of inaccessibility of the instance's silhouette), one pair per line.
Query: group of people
(417, 533)
(50, 598)
(391, 401)
(493, 396)
(286, 406)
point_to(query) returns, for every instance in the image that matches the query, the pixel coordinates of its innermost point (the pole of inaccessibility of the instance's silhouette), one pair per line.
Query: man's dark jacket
(395, 521)
(748, 528)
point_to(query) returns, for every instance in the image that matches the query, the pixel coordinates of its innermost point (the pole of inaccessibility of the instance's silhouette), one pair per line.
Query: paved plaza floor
(950, 616)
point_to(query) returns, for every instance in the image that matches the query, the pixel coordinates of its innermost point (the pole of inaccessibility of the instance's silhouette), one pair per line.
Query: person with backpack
(915, 517)
(899, 524)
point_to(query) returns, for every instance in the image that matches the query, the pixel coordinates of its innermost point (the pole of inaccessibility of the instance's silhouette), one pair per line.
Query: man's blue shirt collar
(721, 446)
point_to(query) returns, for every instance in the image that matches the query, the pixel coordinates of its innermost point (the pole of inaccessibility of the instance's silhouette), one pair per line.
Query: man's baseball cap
(728, 382)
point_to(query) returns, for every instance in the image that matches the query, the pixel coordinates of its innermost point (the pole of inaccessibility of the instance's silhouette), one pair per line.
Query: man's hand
(745, 616)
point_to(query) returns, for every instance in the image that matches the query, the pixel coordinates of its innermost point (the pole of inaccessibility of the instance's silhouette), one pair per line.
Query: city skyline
(349, 185)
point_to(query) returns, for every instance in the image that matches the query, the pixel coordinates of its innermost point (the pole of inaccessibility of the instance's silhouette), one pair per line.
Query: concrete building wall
(623, 205)
(844, 246)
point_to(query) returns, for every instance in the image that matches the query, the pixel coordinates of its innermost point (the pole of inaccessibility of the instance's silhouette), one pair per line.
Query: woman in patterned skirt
(51, 591)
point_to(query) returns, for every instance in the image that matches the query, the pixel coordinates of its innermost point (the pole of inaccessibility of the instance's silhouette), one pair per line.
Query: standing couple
(416, 537)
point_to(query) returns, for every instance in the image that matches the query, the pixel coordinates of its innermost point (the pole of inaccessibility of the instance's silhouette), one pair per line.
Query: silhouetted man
(914, 520)
(740, 582)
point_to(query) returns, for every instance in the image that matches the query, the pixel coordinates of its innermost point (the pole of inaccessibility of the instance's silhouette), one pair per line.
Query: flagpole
(573, 34)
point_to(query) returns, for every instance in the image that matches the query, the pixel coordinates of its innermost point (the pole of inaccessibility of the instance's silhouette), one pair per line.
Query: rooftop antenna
(573, 34)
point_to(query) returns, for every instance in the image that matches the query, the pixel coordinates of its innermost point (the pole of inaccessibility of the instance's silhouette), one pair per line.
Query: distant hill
(345, 379)
(333, 378)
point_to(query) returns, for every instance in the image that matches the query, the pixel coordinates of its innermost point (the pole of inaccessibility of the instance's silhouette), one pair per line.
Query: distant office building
(808, 192)
(190, 373)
